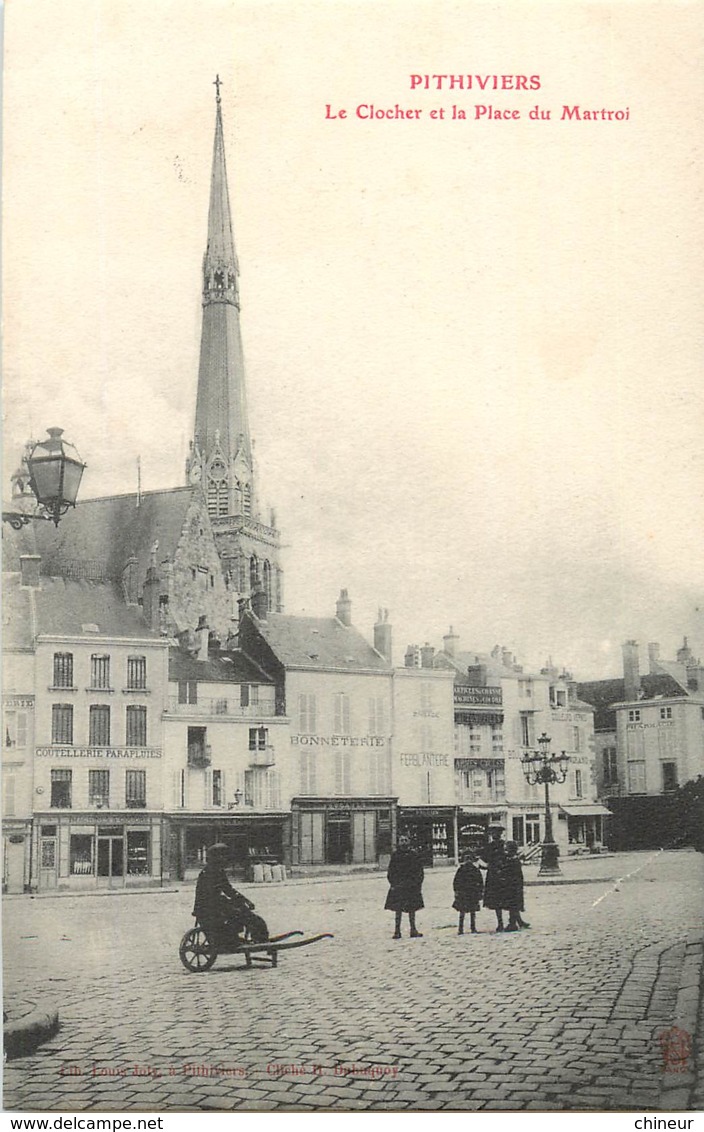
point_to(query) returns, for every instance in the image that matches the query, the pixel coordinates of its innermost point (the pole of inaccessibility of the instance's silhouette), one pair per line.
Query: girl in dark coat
(405, 876)
(469, 886)
(493, 854)
(512, 880)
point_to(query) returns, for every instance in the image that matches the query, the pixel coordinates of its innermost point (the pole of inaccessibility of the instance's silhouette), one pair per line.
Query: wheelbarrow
(198, 951)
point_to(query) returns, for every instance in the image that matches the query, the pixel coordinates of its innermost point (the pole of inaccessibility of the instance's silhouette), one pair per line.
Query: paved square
(565, 1016)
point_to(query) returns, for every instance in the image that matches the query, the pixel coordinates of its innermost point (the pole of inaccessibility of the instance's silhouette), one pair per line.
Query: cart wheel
(196, 952)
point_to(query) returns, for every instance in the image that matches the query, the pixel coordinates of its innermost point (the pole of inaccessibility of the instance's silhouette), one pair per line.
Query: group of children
(503, 890)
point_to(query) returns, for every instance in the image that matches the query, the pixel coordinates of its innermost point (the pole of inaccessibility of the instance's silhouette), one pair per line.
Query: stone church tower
(221, 459)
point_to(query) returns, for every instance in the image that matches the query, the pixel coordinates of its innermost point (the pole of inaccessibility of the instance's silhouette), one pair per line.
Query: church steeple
(222, 424)
(221, 458)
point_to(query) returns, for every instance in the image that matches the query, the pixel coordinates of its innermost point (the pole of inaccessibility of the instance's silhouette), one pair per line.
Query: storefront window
(81, 854)
(137, 853)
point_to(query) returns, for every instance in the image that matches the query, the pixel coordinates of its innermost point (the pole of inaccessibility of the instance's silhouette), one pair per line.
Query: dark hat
(217, 851)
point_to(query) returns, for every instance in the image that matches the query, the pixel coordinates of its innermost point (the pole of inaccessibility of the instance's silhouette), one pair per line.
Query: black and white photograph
(353, 602)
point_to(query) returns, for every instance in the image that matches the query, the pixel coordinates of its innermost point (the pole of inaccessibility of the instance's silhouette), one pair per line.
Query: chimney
(343, 610)
(684, 655)
(477, 675)
(426, 656)
(507, 658)
(449, 642)
(382, 635)
(202, 634)
(412, 657)
(150, 599)
(653, 657)
(631, 670)
(29, 570)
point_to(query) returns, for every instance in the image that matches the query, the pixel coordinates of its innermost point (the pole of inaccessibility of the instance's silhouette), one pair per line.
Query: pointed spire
(222, 425)
(220, 267)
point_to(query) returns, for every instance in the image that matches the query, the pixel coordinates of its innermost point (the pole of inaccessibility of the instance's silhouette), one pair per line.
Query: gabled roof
(98, 536)
(319, 643)
(226, 668)
(63, 607)
(603, 694)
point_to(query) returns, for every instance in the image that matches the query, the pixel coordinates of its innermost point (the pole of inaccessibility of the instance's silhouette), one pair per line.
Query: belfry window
(217, 498)
(246, 500)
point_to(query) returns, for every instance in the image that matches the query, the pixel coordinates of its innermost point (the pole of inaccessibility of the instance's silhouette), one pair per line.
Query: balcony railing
(262, 758)
(231, 709)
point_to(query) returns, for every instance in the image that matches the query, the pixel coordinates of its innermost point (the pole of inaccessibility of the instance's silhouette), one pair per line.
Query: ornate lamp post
(544, 767)
(53, 474)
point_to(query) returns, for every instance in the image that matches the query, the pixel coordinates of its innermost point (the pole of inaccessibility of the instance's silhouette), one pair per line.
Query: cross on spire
(217, 84)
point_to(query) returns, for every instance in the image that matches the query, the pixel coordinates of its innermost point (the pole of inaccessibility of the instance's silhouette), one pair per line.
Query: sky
(472, 345)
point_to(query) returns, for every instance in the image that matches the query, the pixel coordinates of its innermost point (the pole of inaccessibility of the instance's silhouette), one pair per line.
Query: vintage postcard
(353, 709)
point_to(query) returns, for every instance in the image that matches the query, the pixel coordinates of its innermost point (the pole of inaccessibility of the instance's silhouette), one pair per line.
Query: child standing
(512, 882)
(469, 888)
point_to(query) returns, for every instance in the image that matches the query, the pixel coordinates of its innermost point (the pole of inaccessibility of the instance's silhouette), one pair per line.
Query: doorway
(111, 858)
(339, 838)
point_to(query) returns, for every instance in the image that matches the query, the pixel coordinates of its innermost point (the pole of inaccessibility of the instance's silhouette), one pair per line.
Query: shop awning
(589, 810)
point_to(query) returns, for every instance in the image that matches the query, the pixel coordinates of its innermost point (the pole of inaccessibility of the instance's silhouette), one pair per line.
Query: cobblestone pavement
(565, 1016)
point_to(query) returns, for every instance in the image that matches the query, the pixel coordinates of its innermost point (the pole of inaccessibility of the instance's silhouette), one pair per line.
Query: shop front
(251, 839)
(85, 852)
(474, 827)
(349, 831)
(433, 832)
(585, 826)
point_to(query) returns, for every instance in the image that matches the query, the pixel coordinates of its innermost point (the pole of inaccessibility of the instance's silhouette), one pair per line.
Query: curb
(678, 1085)
(24, 1036)
(290, 881)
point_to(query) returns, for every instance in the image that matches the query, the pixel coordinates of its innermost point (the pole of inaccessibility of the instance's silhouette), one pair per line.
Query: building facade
(89, 788)
(337, 691)
(649, 742)
(500, 712)
(227, 764)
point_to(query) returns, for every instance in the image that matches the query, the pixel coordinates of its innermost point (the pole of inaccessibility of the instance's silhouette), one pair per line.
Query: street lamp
(542, 766)
(53, 474)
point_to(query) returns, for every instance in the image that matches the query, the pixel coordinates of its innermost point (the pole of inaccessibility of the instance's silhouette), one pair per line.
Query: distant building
(500, 711)
(649, 738)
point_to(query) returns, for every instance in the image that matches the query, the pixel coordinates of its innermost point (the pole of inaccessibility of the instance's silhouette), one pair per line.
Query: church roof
(96, 538)
(319, 643)
(65, 607)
